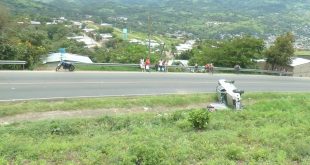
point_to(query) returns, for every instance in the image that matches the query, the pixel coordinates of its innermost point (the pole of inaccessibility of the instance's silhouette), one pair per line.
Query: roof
(35, 23)
(299, 61)
(182, 62)
(89, 42)
(55, 57)
(295, 61)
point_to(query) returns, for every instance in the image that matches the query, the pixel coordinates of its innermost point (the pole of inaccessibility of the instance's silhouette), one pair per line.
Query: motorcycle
(65, 65)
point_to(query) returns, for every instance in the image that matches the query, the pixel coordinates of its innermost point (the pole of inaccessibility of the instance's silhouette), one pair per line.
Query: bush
(235, 153)
(178, 115)
(63, 128)
(147, 154)
(260, 154)
(199, 118)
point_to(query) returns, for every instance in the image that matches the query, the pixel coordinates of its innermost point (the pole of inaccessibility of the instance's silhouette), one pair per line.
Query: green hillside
(201, 17)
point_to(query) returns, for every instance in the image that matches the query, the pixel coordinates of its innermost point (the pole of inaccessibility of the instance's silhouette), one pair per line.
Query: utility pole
(149, 35)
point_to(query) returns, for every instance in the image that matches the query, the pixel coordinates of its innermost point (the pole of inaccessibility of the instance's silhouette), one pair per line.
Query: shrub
(183, 124)
(63, 128)
(147, 154)
(114, 123)
(177, 115)
(235, 152)
(199, 118)
(3, 161)
(260, 154)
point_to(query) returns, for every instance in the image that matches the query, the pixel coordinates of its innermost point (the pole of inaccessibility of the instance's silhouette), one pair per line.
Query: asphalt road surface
(28, 85)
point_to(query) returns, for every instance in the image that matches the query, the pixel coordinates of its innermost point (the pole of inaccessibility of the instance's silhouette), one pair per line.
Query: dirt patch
(51, 115)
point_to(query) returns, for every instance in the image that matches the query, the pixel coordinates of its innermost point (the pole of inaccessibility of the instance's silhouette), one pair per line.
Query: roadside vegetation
(302, 53)
(31, 43)
(165, 101)
(272, 129)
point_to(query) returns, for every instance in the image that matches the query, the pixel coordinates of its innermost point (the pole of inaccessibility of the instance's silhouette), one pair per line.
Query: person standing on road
(196, 68)
(147, 64)
(160, 64)
(237, 68)
(166, 65)
(211, 67)
(142, 67)
(207, 68)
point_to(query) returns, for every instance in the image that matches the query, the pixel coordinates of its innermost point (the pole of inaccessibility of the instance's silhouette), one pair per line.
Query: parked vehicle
(65, 65)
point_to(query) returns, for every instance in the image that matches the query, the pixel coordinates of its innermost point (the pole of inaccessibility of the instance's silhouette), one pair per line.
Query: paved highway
(28, 85)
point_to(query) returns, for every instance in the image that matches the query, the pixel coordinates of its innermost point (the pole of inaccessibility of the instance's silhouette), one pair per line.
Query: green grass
(143, 36)
(302, 53)
(13, 108)
(272, 129)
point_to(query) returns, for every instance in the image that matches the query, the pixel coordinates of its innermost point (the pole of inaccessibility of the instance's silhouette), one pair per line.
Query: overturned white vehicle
(228, 94)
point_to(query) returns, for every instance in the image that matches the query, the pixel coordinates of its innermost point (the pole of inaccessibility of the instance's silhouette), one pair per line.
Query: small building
(299, 67)
(35, 23)
(88, 41)
(87, 30)
(77, 24)
(56, 57)
(186, 46)
(106, 25)
(106, 36)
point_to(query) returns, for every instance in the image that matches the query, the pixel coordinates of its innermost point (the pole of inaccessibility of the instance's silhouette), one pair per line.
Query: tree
(4, 17)
(185, 55)
(56, 32)
(241, 50)
(281, 52)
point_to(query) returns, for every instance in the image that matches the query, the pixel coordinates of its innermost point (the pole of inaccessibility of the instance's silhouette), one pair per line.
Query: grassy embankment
(272, 129)
(302, 53)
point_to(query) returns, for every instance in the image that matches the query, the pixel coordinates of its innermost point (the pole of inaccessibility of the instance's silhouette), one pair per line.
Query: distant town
(302, 42)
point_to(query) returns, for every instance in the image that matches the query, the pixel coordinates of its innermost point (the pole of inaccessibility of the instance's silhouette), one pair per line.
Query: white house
(299, 67)
(106, 36)
(188, 45)
(106, 24)
(35, 23)
(89, 42)
(76, 23)
(87, 30)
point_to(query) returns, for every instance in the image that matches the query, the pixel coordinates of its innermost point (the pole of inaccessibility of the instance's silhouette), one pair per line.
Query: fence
(9, 62)
(178, 68)
(200, 69)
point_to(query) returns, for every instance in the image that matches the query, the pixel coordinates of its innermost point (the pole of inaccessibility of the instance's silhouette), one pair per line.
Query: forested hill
(209, 18)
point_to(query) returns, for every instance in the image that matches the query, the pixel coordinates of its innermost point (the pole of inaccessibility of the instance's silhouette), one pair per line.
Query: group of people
(145, 65)
(209, 68)
(161, 66)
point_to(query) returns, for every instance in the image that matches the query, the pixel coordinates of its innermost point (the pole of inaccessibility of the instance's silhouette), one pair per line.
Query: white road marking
(94, 82)
(133, 82)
